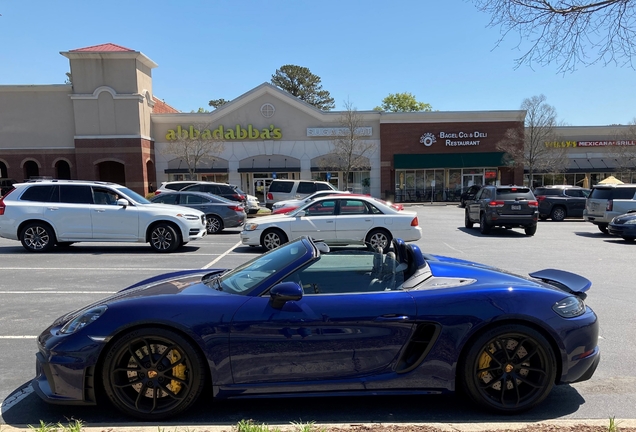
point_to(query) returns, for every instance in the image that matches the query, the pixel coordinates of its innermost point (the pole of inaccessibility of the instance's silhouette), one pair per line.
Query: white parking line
(211, 263)
(57, 292)
(91, 268)
(18, 337)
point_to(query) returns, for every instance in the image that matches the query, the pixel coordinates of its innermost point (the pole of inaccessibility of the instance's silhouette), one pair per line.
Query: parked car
(287, 206)
(45, 213)
(337, 220)
(281, 190)
(305, 320)
(220, 213)
(252, 204)
(561, 201)
(231, 192)
(607, 201)
(6, 184)
(469, 194)
(504, 206)
(174, 186)
(624, 226)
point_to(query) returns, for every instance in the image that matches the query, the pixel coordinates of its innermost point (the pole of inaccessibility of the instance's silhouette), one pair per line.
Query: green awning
(448, 160)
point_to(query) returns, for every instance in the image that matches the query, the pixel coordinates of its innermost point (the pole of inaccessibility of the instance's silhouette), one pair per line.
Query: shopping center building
(108, 125)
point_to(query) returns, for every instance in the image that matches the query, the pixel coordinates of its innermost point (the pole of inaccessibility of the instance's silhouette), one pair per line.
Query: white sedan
(337, 220)
(300, 201)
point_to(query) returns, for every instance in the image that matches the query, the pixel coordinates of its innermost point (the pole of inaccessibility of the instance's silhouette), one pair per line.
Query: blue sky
(442, 51)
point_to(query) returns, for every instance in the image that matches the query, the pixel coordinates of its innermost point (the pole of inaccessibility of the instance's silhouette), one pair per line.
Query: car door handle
(100, 210)
(329, 221)
(393, 317)
(54, 208)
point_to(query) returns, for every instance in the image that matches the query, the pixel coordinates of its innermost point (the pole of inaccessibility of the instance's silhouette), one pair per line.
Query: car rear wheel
(214, 224)
(379, 239)
(37, 237)
(153, 373)
(484, 226)
(603, 229)
(530, 230)
(164, 238)
(467, 222)
(273, 238)
(558, 214)
(509, 369)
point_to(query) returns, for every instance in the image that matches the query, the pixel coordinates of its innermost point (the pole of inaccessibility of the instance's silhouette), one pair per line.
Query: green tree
(568, 32)
(201, 110)
(402, 102)
(300, 82)
(217, 102)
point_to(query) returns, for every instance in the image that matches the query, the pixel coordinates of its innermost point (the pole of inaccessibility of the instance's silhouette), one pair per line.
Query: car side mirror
(301, 213)
(284, 292)
(123, 202)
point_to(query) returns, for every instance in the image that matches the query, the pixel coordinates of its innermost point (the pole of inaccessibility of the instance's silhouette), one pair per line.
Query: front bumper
(251, 238)
(622, 230)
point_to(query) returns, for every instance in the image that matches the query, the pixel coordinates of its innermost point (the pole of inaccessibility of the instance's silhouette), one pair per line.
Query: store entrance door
(261, 186)
(469, 180)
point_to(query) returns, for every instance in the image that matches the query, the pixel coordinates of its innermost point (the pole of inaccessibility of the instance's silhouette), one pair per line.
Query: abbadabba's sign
(453, 139)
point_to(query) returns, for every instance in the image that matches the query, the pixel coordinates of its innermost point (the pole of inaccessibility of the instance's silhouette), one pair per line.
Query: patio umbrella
(610, 180)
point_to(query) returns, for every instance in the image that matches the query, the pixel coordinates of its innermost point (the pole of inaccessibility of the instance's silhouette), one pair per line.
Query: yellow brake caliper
(484, 362)
(177, 371)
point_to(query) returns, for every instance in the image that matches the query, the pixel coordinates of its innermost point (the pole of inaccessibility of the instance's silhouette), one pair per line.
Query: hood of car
(620, 220)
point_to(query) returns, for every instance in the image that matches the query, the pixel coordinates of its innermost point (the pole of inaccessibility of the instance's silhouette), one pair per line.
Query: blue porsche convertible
(305, 320)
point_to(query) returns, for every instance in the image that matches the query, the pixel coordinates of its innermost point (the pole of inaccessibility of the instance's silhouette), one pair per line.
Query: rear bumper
(514, 220)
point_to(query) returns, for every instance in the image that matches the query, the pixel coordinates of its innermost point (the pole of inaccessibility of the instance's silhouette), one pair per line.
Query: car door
(318, 222)
(321, 337)
(354, 220)
(474, 207)
(112, 221)
(575, 202)
(70, 215)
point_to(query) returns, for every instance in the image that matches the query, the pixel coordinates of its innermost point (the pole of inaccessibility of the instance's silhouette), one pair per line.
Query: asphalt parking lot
(37, 288)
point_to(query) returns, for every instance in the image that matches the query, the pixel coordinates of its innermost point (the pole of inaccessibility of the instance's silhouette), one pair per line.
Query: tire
(467, 222)
(509, 369)
(558, 214)
(273, 238)
(629, 239)
(214, 224)
(153, 373)
(164, 238)
(379, 238)
(530, 230)
(603, 229)
(543, 217)
(64, 244)
(484, 226)
(37, 237)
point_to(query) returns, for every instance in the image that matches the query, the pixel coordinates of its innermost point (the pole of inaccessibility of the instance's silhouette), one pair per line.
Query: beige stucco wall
(36, 116)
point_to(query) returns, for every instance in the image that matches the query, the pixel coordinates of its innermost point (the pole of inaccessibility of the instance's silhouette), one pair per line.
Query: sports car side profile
(302, 319)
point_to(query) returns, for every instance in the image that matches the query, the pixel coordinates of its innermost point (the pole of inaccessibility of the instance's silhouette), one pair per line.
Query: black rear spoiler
(567, 281)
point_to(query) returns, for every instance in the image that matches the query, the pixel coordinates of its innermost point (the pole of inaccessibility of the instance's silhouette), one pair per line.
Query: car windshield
(242, 279)
(133, 196)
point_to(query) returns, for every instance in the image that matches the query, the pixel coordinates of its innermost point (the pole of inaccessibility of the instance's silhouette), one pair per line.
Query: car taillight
(415, 222)
(610, 205)
(157, 192)
(270, 196)
(496, 204)
(2, 207)
(236, 208)
(540, 198)
(238, 197)
(533, 203)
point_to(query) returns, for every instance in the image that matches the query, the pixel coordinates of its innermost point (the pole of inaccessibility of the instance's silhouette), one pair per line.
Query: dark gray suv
(504, 206)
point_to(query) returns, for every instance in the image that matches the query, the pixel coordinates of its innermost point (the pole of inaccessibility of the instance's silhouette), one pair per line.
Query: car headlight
(630, 222)
(188, 216)
(83, 319)
(250, 226)
(569, 307)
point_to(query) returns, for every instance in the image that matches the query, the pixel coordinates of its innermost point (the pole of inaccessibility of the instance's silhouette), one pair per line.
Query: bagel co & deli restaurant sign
(220, 133)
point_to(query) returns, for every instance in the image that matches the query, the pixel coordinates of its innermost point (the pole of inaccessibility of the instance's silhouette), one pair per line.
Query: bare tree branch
(195, 144)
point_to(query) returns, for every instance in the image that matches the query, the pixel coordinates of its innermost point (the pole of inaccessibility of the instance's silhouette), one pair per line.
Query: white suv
(45, 213)
(281, 190)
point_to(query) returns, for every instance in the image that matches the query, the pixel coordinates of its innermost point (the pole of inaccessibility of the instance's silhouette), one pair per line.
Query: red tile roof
(107, 47)
(162, 108)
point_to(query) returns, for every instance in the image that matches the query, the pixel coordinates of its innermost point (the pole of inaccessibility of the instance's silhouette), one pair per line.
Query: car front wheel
(273, 238)
(379, 239)
(214, 224)
(153, 373)
(509, 369)
(558, 214)
(164, 238)
(37, 237)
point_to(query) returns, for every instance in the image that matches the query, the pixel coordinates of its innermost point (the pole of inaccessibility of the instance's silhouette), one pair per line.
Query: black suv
(561, 201)
(224, 190)
(469, 194)
(504, 206)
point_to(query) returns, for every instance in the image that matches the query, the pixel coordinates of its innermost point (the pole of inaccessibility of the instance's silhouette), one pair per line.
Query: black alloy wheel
(558, 214)
(37, 237)
(509, 369)
(164, 238)
(214, 224)
(273, 238)
(467, 222)
(484, 226)
(153, 373)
